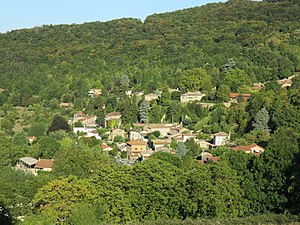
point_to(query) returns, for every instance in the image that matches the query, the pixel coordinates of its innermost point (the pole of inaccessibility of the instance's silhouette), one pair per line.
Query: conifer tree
(261, 120)
(181, 149)
(143, 112)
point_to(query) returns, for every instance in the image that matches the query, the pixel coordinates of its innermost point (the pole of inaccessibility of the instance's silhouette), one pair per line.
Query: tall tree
(58, 123)
(181, 149)
(261, 120)
(195, 80)
(143, 112)
(223, 93)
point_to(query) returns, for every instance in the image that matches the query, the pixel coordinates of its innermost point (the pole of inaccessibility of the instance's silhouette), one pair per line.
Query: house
(171, 90)
(139, 126)
(135, 135)
(65, 105)
(221, 138)
(188, 136)
(113, 119)
(205, 157)
(146, 153)
(286, 82)
(135, 149)
(86, 120)
(161, 143)
(191, 96)
(139, 93)
(257, 87)
(33, 165)
(89, 121)
(162, 128)
(180, 129)
(177, 138)
(44, 165)
(253, 148)
(27, 163)
(234, 97)
(91, 134)
(122, 147)
(151, 96)
(77, 116)
(94, 92)
(206, 104)
(166, 149)
(174, 134)
(128, 93)
(105, 147)
(203, 144)
(31, 139)
(83, 129)
(116, 132)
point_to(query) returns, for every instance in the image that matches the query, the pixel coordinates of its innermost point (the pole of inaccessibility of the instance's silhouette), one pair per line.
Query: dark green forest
(218, 49)
(54, 62)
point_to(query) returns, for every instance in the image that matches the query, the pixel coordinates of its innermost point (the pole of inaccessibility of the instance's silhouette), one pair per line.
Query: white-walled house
(191, 96)
(221, 138)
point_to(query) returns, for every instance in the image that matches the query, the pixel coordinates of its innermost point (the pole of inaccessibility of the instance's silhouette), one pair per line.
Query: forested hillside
(59, 84)
(47, 62)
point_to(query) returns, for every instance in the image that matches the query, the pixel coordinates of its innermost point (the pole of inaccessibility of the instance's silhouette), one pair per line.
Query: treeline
(49, 62)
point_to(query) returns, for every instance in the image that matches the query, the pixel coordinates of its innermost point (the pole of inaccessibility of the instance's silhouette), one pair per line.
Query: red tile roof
(137, 142)
(44, 163)
(246, 148)
(221, 134)
(235, 95)
(106, 147)
(114, 114)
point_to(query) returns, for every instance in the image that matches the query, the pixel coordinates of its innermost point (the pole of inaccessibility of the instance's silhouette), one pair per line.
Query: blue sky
(18, 14)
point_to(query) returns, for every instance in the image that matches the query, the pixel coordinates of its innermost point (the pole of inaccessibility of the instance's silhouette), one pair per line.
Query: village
(144, 139)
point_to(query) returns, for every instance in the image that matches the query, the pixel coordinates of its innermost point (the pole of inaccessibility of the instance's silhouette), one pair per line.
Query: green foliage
(77, 160)
(83, 214)
(156, 134)
(278, 158)
(60, 195)
(115, 193)
(193, 149)
(37, 129)
(9, 153)
(19, 139)
(78, 124)
(48, 147)
(118, 138)
(195, 80)
(161, 188)
(214, 191)
(124, 155)
(167, 157)
(223, 93)
(5, 217)
(18, 189)
(234, 78)
(219, 151)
